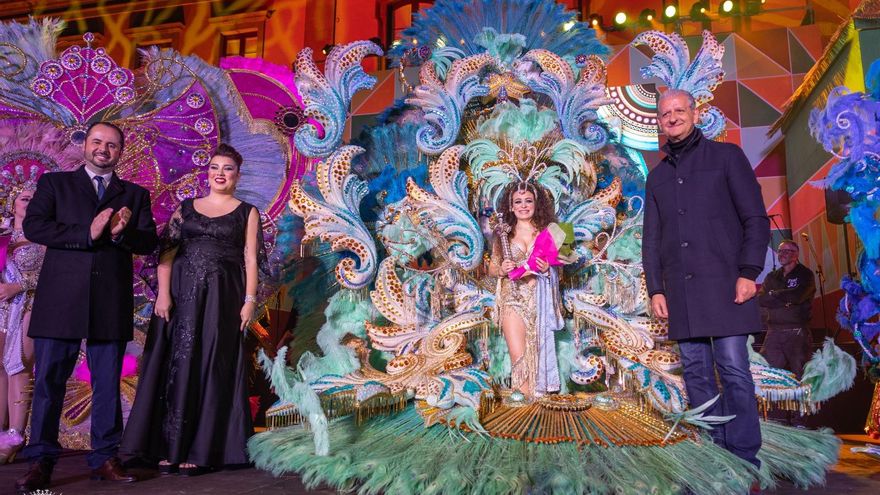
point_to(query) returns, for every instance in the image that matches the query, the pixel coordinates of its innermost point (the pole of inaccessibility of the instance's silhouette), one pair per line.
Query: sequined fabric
(191, 403)
(536, 372)
(22, 267)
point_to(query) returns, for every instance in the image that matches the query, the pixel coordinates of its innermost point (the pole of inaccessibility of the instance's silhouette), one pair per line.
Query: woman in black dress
(191, 409)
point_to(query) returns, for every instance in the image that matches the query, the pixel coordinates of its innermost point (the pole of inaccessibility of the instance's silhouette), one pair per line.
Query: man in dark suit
(91, 222)
(705, 238)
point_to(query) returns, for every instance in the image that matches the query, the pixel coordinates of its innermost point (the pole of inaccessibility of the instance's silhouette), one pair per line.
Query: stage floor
(854, 474)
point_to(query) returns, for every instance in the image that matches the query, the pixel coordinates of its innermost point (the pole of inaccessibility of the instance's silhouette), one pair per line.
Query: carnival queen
(528, 307)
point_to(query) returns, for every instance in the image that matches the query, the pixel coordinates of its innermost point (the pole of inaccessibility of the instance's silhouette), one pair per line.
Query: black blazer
(705, 226)
(85, 287)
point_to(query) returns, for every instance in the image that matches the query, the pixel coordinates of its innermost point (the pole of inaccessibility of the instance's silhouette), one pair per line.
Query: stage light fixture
(753, 7)
(647, 16)
(727, 7)
(327, 48)
(595, 21)
(700, 11)
(620, 19)
(670, 11)
(566, 26)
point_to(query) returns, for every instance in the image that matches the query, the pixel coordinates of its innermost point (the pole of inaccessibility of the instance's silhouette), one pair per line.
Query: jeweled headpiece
(672, 65)
(28, 151)
(14, 180)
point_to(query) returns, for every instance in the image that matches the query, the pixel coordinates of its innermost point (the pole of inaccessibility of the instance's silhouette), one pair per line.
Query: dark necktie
(101, 188)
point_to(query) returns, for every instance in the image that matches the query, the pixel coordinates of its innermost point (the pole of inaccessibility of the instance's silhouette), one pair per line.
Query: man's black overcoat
(705, 226)
(85, 288)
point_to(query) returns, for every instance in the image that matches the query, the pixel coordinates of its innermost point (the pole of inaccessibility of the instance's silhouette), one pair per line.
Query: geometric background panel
(809, 38)
(773, 43)
(637, 60)
(774, 90)
(754, 111)
(801, 60)
(619, 69)
(727, 100)
(728, 61)
(751, 62)
(774, 163)
(756, 144)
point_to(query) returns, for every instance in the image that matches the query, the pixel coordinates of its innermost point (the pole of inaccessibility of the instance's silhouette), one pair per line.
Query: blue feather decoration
(461, 23)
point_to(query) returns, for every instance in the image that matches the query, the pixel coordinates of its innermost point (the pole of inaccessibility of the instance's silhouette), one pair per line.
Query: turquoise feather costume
(406, 397)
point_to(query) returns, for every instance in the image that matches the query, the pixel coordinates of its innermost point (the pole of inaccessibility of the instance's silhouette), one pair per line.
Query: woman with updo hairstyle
(528, 309)
(191, 411)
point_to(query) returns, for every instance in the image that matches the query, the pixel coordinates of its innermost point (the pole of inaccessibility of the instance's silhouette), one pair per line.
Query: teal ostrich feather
(830, 371)
(462, 23)
(399, 455)
(516, 123)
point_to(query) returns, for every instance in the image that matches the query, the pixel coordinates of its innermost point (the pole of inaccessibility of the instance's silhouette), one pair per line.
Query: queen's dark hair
(545, 213)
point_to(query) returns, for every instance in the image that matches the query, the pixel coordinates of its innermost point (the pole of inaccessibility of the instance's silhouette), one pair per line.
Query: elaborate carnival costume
(521, 78)
(848, 128)
(530, 299)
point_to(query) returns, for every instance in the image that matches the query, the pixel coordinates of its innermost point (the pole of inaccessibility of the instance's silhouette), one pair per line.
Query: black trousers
(788, 349)
(55, 360)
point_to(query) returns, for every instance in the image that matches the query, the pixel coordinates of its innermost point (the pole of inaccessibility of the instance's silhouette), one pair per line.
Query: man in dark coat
(91, 222)
(705, 238)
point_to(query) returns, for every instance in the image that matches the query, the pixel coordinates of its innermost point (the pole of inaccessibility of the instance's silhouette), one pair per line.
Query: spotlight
(566, 26)
(670, 11)
(620, 19)
(728, 7)
(595, 21)
(647, 16)
(327, 48)
(753, 7)
(700, 11)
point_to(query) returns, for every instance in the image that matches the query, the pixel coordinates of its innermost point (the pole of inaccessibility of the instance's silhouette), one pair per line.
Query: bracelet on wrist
(250, 299)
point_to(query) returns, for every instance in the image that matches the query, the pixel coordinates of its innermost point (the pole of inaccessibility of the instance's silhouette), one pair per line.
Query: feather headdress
(517, 145)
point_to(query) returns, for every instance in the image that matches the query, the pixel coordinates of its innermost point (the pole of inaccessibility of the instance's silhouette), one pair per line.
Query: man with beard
(91, 222)
(706, 233)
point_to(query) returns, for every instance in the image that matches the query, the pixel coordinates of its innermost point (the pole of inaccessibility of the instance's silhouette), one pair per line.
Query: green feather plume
(830, 371)
(399, 455)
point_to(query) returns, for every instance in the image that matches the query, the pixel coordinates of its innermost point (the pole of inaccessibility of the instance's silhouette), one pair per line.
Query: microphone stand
(821, 274)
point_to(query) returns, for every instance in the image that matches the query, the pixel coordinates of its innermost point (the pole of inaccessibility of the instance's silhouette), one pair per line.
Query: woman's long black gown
(191, 403)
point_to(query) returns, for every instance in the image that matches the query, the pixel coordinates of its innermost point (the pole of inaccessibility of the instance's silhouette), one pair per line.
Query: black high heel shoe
(168, 468)
(194, 470)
